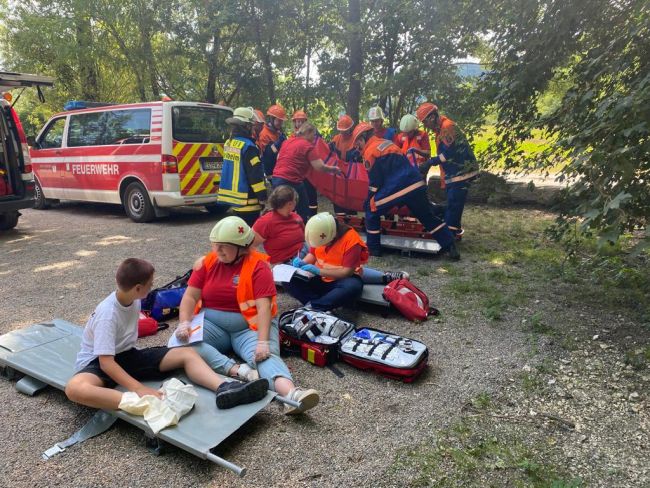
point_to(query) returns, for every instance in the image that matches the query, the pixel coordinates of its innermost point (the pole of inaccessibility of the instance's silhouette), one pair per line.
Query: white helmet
(375, 113)
(232, 230)
(408, 123)
(241, 116)
(320, 229)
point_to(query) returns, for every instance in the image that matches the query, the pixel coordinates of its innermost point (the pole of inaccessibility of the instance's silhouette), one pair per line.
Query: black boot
(233, 393)
(452, 252)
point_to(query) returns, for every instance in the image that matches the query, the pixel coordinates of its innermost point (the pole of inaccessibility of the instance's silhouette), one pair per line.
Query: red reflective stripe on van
(113, 150)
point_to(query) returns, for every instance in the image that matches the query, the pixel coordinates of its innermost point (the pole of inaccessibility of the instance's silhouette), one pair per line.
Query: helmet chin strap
(238, 256)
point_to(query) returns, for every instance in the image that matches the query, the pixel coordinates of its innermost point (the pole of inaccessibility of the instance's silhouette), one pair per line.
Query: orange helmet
(360, 129)
(299, 114)
(277, 111)
(345, 122)
(425, 110)
(258, 116)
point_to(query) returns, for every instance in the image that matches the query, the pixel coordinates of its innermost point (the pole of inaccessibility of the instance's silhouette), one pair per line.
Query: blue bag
(162, 303)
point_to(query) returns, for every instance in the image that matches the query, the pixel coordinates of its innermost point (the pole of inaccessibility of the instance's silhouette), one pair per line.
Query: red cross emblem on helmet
(241, 230)
(323, 236)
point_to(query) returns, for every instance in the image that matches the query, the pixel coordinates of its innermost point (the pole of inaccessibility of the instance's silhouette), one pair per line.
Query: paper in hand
(196, 326)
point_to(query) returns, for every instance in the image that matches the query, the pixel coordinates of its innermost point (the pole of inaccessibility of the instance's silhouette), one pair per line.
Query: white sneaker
(308, 399)
(246, 373)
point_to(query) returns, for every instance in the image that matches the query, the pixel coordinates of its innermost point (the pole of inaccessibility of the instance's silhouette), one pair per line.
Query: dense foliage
(575, 71)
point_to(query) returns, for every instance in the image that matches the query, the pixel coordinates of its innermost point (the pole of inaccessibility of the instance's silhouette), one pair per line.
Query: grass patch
(465, 456)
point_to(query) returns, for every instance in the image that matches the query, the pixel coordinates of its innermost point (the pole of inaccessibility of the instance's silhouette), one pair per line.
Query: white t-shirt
(111, 329)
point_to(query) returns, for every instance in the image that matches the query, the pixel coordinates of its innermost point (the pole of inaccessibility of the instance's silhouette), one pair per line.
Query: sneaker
(308, 399)
(452, 252)
(246, 373)
(233, 393)
(395, 275)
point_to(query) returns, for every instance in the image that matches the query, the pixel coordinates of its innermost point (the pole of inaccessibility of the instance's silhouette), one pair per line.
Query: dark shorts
(141, 364)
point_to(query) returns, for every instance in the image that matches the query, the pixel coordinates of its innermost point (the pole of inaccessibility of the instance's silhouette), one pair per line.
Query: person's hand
(183, 331)
(198, 264)
(262, 351)
(310, 268)
(297, 262)
(145, 390)
(412, 150)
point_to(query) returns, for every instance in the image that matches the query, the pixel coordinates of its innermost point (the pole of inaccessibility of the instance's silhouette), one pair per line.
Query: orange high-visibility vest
(419, 141)
(331, 256)
(447, 135)
(245, 296)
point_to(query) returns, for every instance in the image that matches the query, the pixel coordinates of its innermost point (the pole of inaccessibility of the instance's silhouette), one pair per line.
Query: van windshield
(199, 124)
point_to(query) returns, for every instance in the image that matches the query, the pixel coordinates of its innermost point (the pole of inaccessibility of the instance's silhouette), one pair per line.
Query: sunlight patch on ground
(59, 265)
(111, 240)
(83, 253)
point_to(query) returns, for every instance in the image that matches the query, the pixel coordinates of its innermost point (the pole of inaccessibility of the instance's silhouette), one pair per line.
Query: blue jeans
(226, 331)
(325, 295)
(302, 207)
(456, 196)
(371, 276)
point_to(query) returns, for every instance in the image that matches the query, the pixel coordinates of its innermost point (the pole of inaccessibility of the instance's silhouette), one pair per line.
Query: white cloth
(111, 329)
(178, 399)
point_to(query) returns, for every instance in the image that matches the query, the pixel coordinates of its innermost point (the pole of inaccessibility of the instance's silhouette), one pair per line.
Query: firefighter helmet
(277, 111)
(258, 116)
(241, 116)
(299, 115)
(320, 229)
(408, 123)
(375, 113)
(425, 110)
(360, 129)
(345, 122)
(232, 230)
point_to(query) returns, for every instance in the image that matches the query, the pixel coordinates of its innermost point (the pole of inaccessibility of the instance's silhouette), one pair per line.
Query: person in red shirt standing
(336, 256)
(298, 118)
(281, 230)
(413, 142)
(297, 156)
(234, 288)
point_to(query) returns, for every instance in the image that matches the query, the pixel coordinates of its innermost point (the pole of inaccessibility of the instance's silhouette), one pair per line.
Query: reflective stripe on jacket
(331, 256)
(234, 188)
(245, 293)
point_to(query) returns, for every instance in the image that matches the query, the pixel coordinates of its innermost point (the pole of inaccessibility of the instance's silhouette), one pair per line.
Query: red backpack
(409, 300)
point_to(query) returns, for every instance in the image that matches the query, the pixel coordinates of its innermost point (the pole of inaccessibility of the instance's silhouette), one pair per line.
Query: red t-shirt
(293, 159)
(219, 285)
(283, 236)
(351, 258)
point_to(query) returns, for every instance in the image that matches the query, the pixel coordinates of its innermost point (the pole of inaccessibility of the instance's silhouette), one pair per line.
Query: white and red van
(146, 156)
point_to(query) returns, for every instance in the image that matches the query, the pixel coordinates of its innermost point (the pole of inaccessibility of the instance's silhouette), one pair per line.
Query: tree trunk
(87, 70)
(264, 53)
(210, 93)
(356, 59)
(305, 105)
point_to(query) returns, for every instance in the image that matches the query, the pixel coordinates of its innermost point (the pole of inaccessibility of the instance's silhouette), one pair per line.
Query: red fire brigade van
(146, 156)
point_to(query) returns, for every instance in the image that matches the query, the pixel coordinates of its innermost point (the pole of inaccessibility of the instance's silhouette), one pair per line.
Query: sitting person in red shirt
(336, 256)
(280, 229)
(234, 288)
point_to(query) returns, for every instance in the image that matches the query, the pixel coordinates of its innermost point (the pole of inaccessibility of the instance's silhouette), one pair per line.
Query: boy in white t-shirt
(108, 356)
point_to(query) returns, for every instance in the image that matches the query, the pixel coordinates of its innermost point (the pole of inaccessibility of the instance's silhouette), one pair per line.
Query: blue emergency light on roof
(74, 105)
(79, 104)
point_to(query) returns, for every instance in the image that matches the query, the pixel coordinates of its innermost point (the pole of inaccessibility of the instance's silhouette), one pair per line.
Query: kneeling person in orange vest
(393, 181)
(234, 288)
(336, 256)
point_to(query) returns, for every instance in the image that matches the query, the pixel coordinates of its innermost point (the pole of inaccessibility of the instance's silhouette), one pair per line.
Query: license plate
(211, 163)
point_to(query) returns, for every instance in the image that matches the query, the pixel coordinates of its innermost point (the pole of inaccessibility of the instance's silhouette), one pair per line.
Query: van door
(48, 159)
(198, 133)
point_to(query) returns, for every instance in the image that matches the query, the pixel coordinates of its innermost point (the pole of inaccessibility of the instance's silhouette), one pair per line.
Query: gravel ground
(61, 263)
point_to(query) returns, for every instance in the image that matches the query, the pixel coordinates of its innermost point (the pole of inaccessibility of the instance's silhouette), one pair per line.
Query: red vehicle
(146, 156)
(16, 177)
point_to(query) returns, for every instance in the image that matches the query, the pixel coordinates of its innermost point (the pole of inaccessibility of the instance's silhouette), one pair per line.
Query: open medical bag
(384, 353)
(162, 303)
(322, 338)
(312, 334)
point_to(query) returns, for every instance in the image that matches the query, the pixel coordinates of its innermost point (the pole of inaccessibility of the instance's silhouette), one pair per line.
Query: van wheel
(217, 208)
(40, 203)
(9, 220)
(137, 204)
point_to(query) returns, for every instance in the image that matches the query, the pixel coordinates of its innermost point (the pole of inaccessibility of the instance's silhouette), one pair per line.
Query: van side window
(110, 127)
(53, 135)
